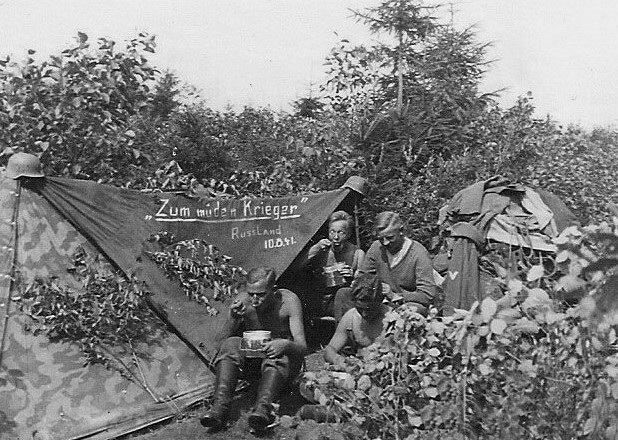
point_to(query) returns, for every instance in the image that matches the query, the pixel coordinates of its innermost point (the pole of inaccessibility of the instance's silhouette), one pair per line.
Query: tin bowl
(333, 276)
(255, 339)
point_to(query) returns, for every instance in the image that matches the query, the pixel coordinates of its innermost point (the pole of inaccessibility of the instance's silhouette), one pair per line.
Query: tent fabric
(498, 210)
(266, 231)
(532, 202)
(46, 392)
(506, 229)
(463, 285)
(563, 216)
(8, 211)
(476, 198)
(254, 232)
(505, 212)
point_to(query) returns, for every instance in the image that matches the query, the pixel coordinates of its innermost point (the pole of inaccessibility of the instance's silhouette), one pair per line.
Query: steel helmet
(356, 183)
(23, 165)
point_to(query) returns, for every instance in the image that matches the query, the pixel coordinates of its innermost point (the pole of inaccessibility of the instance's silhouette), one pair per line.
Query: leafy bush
(514, 144)
(580, 167)
(111, 116)
(105, 315)
(522, 366)
(202, 270)
(73, 109)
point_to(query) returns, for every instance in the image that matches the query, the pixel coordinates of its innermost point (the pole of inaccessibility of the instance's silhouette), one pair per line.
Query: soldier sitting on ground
(402, 265)
(261, 306)
(358, 328)
(361, 325)
(335, 256)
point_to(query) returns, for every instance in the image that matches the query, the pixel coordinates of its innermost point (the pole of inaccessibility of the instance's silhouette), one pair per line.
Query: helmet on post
(356, 183)
(23, 165)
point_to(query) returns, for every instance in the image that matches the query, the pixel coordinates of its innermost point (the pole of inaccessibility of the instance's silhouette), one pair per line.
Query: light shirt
(394, 260)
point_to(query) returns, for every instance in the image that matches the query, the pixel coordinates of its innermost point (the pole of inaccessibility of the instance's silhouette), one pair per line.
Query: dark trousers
(287, 366)
(343, 302)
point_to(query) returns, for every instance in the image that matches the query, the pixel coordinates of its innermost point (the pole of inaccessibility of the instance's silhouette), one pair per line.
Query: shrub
(74, 108)
(522, 366)
(105, 314)
(203, 272)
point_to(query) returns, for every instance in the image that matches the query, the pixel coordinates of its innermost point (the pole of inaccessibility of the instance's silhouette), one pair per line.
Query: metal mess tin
(253, 342)
(333, 276)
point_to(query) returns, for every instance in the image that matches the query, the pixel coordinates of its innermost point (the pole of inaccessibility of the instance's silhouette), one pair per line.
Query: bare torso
(275, 318)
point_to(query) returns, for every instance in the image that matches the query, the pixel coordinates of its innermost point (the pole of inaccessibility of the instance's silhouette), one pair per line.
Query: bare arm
(299, 344)
(320, 246)
(338, 341)
(235, 318)
(360, 257)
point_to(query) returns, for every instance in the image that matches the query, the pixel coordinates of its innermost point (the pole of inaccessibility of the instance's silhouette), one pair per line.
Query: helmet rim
(23, 165)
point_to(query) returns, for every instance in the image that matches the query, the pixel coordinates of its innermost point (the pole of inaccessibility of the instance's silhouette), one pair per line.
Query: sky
(271, 52)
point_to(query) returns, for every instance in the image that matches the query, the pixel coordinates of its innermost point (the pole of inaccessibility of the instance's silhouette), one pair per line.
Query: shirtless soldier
(359, 327)
(259, 307)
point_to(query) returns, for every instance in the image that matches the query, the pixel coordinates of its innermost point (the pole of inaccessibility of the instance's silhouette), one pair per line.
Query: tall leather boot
(262, 415)
(319, 413)
(227, 377)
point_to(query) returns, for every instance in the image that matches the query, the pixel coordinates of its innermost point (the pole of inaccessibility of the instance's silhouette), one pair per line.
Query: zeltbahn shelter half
(45, 389)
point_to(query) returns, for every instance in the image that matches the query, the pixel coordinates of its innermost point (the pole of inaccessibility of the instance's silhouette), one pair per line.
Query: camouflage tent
(45, 390)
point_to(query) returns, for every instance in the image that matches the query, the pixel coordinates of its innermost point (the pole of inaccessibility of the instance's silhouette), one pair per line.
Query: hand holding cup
(346, 271)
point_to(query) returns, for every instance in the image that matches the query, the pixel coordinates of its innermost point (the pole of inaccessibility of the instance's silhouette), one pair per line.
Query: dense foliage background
(405, 113)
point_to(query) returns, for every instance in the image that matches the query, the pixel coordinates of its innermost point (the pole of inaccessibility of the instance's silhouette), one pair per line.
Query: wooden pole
(9, 277)
(356, 223)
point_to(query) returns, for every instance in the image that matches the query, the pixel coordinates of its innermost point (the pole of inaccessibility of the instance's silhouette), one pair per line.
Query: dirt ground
(188, 427)
(290, 427)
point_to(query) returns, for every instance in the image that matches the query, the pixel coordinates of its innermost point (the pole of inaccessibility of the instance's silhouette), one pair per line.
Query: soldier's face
(391, 238)
(259, 293)
(338, 232)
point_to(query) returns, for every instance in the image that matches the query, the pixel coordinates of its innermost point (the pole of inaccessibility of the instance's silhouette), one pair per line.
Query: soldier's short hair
(367, 287)
(387, 220)
(262, 273)
(338, 216)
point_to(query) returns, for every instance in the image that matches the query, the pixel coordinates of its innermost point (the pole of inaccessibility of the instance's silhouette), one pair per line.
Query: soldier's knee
(345, 293)
(343, 302)
(230, 347)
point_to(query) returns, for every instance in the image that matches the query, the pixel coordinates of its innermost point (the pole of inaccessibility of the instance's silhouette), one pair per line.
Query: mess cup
(255, 339)
(333, 276)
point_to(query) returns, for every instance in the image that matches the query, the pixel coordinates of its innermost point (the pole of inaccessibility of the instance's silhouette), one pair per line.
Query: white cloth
(533, 203)
(504, 229)
(394, 260)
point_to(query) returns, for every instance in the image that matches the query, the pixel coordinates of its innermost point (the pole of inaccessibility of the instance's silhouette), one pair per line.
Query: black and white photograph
(296, 220)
